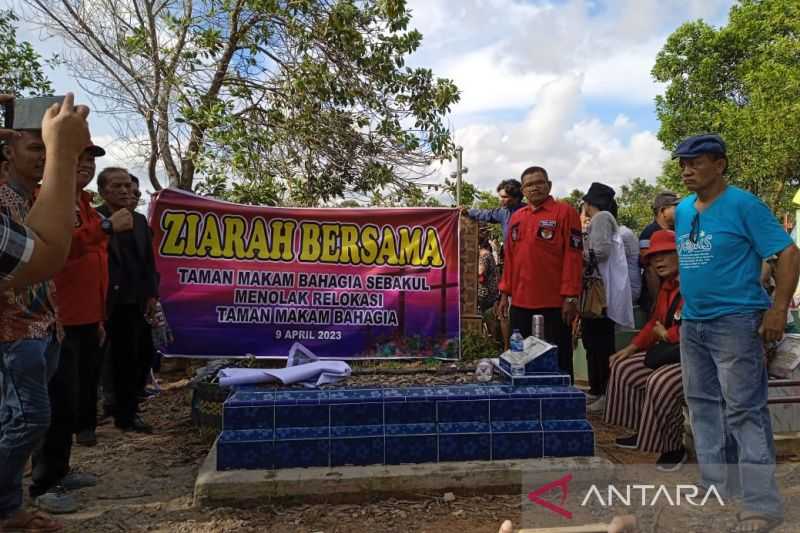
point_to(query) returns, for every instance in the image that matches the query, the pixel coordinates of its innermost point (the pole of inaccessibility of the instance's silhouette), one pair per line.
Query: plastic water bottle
(516, 341)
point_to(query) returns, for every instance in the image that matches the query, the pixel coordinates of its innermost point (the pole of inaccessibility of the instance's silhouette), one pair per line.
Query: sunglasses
(694, 234)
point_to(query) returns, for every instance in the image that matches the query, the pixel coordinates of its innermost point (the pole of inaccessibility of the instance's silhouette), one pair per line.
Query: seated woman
(646, 400)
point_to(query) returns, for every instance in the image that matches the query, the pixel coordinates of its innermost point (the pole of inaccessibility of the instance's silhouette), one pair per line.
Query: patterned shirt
(29, 312)
(16, 247)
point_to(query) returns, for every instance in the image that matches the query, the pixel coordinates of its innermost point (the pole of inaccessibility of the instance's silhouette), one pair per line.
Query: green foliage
(475, 347)
(407, 195)
(489, 200)
(635, 201)
(20, 65)
(743, 82)
(469, 192)
(575, 198)
(313, 98)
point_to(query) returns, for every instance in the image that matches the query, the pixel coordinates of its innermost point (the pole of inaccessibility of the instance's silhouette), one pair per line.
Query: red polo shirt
(82, 284)
(543, 255)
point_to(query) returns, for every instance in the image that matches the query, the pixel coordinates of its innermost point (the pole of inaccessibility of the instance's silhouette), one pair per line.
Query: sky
(563, 84)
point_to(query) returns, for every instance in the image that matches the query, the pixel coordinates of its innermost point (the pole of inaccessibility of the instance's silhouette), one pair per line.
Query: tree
(309, 96)
(20, 65)
(635, 203)
(575, 198)
(741, 81)
(410, 196)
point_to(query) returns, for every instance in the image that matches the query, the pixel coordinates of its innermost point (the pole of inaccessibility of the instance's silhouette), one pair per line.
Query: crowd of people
(696, 272)
(80, 305)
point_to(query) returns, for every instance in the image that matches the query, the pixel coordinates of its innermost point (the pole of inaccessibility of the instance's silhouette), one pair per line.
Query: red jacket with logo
(82, 284)
(543, 256)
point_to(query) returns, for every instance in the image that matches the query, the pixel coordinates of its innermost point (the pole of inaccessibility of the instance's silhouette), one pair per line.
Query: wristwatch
(107, 226)
(571, 300)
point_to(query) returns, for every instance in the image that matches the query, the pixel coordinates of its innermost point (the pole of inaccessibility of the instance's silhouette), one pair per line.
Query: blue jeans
(725, 382)
(26, 367)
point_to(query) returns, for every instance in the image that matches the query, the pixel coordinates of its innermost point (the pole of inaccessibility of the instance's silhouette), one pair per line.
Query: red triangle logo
(561, 484)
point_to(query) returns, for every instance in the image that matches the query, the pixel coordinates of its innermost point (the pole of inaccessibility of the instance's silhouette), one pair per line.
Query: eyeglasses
(695, 231)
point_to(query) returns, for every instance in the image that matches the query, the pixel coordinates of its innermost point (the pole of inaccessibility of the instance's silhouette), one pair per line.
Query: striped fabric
(16, 246)
(647, 402)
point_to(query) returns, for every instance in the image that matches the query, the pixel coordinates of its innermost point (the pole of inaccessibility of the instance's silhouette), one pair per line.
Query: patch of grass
(475, 347)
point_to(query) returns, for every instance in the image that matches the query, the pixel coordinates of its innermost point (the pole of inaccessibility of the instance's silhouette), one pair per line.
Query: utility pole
(459, 173)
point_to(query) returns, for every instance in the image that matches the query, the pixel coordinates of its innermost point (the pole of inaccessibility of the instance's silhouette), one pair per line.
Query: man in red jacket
(81, 288)
(543, 265)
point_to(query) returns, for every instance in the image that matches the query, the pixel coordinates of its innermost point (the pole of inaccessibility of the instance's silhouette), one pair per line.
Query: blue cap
(707, 143)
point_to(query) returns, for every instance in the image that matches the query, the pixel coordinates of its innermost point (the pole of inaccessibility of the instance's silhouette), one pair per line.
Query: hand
(64, 128)
(152, 309)
(772, 325)
(502, 306)
(7, 135)
(506, 527)
(623, 354)
(121, 220)
(623, 524)
(569, 311)
(660, 331)
(101, 334)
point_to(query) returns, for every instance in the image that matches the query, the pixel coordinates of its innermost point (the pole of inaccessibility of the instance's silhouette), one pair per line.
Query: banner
(346, 283)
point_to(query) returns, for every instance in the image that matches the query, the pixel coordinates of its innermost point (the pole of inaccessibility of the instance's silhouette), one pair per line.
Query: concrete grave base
(351, 484)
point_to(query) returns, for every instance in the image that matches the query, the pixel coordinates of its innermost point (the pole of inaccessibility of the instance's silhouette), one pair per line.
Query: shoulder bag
(665, 353)
(592, 303)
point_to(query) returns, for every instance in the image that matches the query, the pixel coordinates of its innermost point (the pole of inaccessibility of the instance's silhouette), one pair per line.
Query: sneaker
(598, 406)
(628, 443)
(87, 437)
(78, 480)
(672, 461)
(56, 501)
(137, 425)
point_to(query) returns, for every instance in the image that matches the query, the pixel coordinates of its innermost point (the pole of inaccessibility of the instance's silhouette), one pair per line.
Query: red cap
(661, 241)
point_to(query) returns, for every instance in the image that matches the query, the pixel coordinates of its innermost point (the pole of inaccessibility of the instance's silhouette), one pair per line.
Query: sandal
(31, 523)
(768, 523)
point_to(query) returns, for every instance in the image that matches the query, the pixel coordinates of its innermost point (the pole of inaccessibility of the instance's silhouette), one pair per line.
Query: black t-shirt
(644, 242)
(133, 277)
(647, 233)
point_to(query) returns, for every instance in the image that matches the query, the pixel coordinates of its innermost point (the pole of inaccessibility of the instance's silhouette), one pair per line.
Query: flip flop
(36, 523)
(769, 523)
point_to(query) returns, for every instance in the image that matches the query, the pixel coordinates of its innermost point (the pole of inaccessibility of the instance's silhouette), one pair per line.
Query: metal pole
(459, 172)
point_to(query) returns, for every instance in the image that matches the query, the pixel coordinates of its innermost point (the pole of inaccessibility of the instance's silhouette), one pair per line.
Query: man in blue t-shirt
(723, 233)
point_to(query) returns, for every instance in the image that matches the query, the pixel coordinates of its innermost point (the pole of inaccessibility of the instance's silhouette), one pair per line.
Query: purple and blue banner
(347, 283)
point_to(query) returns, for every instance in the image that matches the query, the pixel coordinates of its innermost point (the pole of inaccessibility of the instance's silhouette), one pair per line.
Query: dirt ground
(146, 483)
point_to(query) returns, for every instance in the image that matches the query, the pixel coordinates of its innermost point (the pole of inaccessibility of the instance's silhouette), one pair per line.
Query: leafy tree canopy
(742, 81)
(303, 101)
(21, 70)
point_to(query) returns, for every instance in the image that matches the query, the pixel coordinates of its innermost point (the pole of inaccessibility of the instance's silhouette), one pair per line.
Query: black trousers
(598, 339)
(90, 361)
(125, 329)
(147, 355)
(50, 459)
(556, 332)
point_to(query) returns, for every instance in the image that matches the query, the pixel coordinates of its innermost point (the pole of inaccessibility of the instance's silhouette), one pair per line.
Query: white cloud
(575, 152)
(538, 78)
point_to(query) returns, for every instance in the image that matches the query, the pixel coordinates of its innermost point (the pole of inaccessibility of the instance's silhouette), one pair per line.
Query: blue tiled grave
(298, 428)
